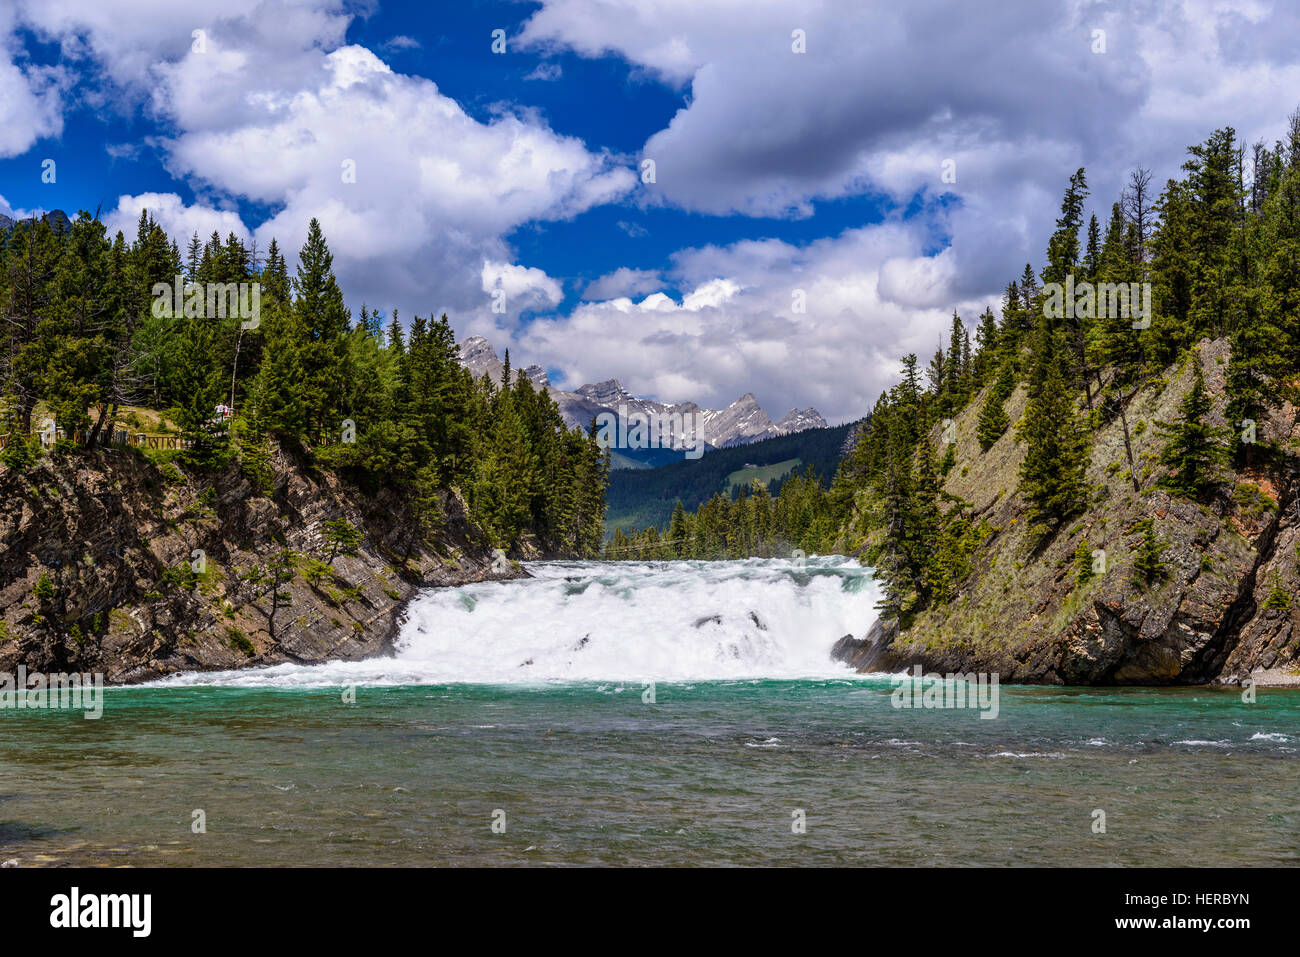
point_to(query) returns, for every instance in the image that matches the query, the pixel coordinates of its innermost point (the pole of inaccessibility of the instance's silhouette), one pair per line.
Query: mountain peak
(604, 392)
(477, 346)
(478, 356)
(57, 218)
(741, 422)
(796, 420)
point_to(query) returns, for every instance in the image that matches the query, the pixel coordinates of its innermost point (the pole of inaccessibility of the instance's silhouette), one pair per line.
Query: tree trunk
(105, 414)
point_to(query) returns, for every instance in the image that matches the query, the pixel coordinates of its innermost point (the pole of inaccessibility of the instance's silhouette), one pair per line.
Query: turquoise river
(650, 714)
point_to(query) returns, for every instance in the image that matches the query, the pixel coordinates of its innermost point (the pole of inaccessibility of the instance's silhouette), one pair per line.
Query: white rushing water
(622, 621)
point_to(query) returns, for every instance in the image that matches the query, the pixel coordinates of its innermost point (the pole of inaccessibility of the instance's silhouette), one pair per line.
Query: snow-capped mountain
(741, 422)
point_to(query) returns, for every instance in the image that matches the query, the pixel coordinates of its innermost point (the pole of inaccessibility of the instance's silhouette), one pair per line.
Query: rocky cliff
(1225, 607)
(111, 563)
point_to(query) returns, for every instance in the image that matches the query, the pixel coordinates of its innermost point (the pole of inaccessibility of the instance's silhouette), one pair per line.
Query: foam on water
(622, 621)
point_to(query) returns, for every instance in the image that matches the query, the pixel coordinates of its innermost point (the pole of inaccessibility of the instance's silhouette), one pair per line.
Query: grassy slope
(764, 474)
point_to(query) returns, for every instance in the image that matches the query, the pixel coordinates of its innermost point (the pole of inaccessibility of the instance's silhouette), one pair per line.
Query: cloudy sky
(443, 169)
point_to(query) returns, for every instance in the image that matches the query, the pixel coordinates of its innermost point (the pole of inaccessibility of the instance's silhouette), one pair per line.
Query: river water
(651, 714)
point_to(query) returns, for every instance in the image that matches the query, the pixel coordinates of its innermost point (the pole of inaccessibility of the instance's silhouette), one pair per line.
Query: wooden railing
(120, 437)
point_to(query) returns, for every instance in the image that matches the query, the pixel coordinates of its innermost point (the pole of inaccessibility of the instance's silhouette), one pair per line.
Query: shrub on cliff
(21, 453)
(1148, 563)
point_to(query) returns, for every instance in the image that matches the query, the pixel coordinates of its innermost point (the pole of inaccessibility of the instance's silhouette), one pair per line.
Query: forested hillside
(641, 498)
(207, 462)
(1102, 496)
(87, 337)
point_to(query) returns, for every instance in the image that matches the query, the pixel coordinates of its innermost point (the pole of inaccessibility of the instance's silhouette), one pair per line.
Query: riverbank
(112, 562)
(1070, 608)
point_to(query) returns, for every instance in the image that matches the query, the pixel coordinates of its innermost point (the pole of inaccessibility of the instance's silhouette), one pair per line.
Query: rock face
(1227, 606)
(116, 540)
(741, 422)
(797, 420)
(57, 218)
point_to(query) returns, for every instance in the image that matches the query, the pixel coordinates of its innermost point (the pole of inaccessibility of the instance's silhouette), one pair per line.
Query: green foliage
(753, 524)
(1056, 454)
(1220, 262)
(1083, 562)
(1149, 565)
(643, 497)
(316, 571)
(239, 641)
(249, 435)
(341, 536)
(1252, 501)
(180, 576)
(20, 454)
(269, 582)
(86, 335)
(949, 459)
(1194, 450)
(993, 415)
(171, 474)
(1278, 596)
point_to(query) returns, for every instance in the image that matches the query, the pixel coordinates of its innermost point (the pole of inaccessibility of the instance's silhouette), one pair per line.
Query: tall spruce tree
(1052, 473)
(1194, 450)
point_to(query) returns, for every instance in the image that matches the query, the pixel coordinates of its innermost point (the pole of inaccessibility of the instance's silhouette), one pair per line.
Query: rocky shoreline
(110, 563)
(1226, 607)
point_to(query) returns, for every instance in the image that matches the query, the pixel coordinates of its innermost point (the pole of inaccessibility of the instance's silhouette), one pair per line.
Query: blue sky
(603, 101)
(782, 173)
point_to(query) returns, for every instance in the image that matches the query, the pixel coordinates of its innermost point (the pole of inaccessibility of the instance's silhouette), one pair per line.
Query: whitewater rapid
(612, 621)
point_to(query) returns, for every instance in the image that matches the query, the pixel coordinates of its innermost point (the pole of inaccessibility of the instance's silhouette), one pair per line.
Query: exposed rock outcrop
(1226, 607)
(109, 563)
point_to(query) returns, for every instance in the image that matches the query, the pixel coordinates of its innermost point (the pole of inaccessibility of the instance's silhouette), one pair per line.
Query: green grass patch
(766, 474)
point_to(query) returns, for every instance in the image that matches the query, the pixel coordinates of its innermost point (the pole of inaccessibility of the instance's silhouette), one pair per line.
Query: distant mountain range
(740, 423)
(57, 218)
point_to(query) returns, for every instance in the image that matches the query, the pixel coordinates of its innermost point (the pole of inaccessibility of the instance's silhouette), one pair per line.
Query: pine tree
(1148, 562)
(342, 536)
(993, 414)
(278, 393)
(322, 323)
(896, 560)
(677, 530)
(1083, 571)
(987, 347)
(923, 526)
(1194, 448)
(1052, 473)
(1092, 253)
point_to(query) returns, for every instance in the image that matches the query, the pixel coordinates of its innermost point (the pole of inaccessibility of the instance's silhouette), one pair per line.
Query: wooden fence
(120, 437)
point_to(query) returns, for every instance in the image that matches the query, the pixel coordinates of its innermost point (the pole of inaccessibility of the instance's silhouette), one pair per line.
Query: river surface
(677, 713)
